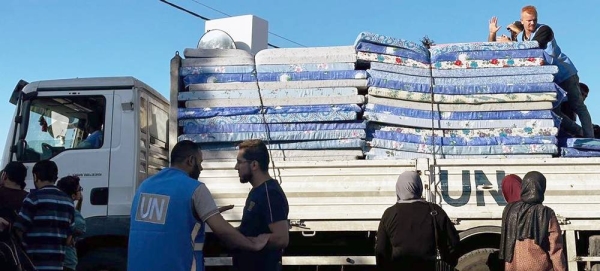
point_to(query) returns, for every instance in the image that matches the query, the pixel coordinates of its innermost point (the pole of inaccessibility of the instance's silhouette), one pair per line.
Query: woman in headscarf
(511, 188)
(531, 237)
(406, 238)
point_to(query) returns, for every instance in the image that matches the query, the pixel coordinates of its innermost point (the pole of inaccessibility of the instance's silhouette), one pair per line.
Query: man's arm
(275, 210)
(280, 234)
(543, 36)
(207, 211)
(493, 27)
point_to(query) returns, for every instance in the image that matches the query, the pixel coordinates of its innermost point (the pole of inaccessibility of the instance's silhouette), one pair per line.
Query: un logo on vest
(152, 208)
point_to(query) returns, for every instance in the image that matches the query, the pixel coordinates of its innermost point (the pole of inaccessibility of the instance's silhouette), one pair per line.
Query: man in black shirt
(266, 209)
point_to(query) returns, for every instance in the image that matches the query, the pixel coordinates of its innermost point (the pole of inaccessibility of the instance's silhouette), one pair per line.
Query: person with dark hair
(412, 230)
(94, 129)
(44, 222)
(266, 209)
(531, 238)
(12, 191)
(168, 215)
(71, 186)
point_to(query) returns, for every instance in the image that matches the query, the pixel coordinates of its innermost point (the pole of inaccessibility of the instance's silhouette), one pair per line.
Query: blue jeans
(571, 86)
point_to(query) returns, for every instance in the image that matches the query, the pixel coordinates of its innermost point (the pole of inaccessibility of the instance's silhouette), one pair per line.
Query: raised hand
(494, 25)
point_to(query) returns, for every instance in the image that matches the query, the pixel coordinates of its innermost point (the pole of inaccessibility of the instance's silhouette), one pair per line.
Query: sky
(52, 39)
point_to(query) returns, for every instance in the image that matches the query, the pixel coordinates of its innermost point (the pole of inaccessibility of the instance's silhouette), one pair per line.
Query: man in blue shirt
(266, 209)
(168, 217)
(566, 77)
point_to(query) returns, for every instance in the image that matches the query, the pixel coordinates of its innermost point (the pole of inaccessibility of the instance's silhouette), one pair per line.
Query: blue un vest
(554, 56)
(162, 224)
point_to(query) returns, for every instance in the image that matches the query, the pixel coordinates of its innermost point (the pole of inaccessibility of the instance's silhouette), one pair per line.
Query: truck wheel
(483, 259)
(104, 259)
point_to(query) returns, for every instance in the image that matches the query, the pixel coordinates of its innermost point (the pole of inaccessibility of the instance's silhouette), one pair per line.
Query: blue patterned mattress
(390, 59)
(305, 67)
(465, 150)
(274, 136)
(513, 79)
(386, 67)
(266, 94)
(369, 37)
(215, 69)
(584, 143)
(520, 106)
(464, 141)
(465, 89)
(390, 50)
(337, 144)
(463, 99)
(386, 154)
(191, 113)
(355, 83)
(218, 61)
(428, 114)
(305, 76)
(398, 77)
(573, 152)
(547, 69)
(481, 46)
(526, 131)
(456, 124)
(277, 56)
(211, 53)
(205, 78)
(488, 55)
(275, 118)
(191, 127)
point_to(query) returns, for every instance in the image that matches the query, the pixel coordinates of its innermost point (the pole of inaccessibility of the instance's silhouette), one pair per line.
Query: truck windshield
(57, 124)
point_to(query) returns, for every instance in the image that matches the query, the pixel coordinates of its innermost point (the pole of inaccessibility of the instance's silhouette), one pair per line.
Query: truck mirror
(14, 97)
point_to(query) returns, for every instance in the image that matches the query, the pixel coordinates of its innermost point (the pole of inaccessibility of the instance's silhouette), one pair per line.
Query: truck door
(73, 129)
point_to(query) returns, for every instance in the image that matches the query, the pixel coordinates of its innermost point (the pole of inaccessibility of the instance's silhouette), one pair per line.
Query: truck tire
(483, 259)
(104, 259)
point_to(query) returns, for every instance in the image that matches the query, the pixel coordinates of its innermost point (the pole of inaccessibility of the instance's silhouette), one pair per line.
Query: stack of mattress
(316, 93)
(479, 100)
(303, 102)
(580, 147)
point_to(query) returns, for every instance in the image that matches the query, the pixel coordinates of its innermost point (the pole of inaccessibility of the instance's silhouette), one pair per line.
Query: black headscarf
(527, 218)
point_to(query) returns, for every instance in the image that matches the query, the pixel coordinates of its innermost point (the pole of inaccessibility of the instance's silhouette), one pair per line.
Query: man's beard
(195, 174)
(246, 178)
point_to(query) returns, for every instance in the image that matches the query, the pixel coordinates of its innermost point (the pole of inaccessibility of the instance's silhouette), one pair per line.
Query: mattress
(494, 63)
(315, 100)
(305, 67)
(218, 78)
(530, 106)
(303, 159)
(464, 141)
(356, 83)
(390, 41)
(188, 113)
(386, 67)
(547, 69)
(266, 94)
(455, 124)
(572, 152)
(390, 50)
(274, 154)
(274, 136)
(183, 71)
(399, 77)
(373, 57)
(488, 55)
(275, 118)
(306, 76)
(509, 79)
(385, 154)
(212, 53)
(465, 89)
(584, 143)
(481, 46)
(523, 131)
(465, 150)
(218, 61)
(306, 55)
(463, 99)
(191, 127)
(467, 115)
(338, 144)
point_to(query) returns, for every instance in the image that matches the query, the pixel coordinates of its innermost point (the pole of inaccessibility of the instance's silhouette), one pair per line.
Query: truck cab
(112, 132)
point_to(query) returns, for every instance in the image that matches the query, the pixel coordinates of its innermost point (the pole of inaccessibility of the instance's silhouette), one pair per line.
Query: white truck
(335, 206)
